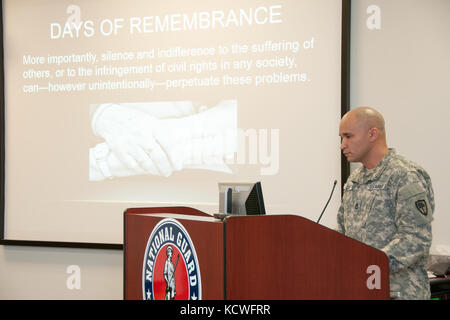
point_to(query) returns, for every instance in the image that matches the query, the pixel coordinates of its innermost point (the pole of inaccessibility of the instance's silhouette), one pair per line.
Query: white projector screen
(118, 104)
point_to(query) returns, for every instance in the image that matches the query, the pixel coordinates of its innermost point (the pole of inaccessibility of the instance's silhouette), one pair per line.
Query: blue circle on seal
(170, 267)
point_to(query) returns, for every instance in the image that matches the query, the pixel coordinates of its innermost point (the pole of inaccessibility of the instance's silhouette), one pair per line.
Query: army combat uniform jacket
(390, 208)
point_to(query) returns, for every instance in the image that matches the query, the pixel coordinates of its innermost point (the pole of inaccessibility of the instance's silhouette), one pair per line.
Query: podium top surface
(179, 216)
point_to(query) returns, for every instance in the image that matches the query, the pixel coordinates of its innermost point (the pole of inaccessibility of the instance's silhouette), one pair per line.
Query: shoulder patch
(421, 205)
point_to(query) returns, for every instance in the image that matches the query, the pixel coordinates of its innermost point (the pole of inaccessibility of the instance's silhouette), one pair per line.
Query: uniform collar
(366, 175)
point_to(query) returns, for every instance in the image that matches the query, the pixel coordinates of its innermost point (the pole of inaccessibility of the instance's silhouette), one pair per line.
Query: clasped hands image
(159, 138)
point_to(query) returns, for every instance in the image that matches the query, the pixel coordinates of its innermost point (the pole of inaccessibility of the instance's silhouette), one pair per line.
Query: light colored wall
(403, 70)
(41, 273)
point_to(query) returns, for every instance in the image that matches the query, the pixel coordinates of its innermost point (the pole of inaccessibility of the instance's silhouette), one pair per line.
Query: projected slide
(117, 104)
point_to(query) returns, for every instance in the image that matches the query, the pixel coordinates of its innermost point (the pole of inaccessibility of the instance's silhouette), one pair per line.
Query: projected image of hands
(160, 138)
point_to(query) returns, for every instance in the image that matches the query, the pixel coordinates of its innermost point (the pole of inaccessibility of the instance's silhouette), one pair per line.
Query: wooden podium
(266, 257)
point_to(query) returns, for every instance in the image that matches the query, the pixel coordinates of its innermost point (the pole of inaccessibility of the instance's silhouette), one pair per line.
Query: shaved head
(368, 118)
(363, 135)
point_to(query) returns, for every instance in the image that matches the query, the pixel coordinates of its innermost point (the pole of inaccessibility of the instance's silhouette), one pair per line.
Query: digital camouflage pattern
(391, 208)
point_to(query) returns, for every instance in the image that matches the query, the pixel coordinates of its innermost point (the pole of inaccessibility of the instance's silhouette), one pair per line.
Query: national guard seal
(170, 267)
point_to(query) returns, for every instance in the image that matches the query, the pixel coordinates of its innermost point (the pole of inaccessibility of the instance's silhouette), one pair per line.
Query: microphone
(326, 205)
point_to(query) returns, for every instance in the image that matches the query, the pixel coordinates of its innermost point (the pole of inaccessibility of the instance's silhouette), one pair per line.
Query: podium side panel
(290, 257)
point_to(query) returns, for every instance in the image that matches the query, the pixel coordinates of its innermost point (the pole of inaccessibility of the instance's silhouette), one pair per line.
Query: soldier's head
(363, 136)
(169, 251)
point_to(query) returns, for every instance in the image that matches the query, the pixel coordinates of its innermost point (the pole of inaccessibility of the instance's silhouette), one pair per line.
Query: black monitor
(241, 198)
(255, 201)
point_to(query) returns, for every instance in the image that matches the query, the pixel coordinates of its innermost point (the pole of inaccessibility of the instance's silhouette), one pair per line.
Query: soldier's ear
(373, 134)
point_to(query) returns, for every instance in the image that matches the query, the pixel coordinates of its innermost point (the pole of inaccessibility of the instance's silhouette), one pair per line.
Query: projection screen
(116, 104)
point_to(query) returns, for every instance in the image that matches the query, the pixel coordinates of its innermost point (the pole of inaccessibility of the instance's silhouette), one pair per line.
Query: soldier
(169, 275)
(388, 203)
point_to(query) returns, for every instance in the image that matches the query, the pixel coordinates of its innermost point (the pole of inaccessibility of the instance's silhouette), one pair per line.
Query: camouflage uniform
(391, 208)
